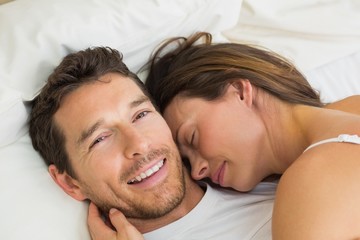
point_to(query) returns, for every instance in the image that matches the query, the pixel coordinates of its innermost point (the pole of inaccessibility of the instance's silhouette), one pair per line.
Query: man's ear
(245, 90)
(67, 183)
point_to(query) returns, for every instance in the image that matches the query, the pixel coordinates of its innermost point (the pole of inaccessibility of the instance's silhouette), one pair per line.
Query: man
(103, 140)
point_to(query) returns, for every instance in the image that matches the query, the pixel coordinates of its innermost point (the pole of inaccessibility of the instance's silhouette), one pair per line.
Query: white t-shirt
(224, 214)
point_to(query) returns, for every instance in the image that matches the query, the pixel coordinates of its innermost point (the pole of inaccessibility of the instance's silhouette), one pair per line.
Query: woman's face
(224, 139)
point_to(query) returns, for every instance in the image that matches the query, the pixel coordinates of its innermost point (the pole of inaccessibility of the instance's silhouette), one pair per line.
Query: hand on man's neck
(193, 195)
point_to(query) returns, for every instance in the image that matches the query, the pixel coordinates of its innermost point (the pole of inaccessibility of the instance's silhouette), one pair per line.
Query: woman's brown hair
(205, 69)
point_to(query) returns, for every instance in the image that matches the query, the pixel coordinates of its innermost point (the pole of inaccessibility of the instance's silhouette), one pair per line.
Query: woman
(240, 114)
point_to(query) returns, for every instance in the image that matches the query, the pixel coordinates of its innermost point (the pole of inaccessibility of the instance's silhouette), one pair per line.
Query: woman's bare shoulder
(349, 104)
(318, 197)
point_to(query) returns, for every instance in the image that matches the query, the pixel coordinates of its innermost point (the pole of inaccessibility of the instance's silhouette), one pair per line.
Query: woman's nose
(199, 168)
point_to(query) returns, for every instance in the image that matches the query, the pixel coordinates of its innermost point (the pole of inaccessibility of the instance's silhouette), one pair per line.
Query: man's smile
(147, 173)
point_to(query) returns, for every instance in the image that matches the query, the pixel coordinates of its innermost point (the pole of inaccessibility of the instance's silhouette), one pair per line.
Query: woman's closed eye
(191, 140)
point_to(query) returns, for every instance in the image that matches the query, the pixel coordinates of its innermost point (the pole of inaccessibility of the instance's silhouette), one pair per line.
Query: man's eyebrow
(85, 134)
(139, 101)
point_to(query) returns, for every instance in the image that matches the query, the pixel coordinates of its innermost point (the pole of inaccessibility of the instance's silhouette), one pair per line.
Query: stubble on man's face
(164, 198)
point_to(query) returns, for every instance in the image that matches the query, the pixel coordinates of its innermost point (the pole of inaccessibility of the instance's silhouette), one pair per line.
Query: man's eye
(141, 115)
(100, 139)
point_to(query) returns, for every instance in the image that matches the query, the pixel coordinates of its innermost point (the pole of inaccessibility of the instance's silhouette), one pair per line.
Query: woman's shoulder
(349, 104)
(338, 159)
(334, 162)
(320, 189)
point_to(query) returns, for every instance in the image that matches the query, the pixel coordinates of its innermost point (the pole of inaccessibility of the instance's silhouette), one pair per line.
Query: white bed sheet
(311, 33)
(337, 79)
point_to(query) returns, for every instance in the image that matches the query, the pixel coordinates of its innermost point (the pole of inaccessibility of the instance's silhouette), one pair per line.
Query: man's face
(121, 149)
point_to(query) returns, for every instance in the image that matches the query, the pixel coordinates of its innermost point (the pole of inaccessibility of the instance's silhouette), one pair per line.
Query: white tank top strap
(346, 138)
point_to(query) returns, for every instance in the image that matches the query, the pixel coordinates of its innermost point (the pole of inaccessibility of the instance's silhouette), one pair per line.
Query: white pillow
(32, 205)
(13, 115)
(35, 35)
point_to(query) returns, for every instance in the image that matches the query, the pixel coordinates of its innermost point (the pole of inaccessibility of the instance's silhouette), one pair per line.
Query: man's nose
(136, 143)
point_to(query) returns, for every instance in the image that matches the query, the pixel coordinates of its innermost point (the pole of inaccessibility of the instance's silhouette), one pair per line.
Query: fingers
(124, 229)
(100, 231)
(97, 228)
(117, 219)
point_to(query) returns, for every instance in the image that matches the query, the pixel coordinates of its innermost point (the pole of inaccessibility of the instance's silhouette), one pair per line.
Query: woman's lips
(218, 177)
(222, 174)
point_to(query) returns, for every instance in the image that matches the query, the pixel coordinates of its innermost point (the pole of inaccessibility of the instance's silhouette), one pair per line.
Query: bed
(321, 37)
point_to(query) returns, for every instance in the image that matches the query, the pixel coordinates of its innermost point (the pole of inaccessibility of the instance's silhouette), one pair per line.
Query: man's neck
(193, 195)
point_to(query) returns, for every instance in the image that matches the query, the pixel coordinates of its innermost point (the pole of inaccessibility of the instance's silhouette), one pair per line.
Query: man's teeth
(148, 172)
